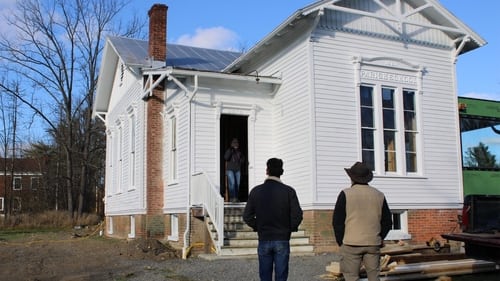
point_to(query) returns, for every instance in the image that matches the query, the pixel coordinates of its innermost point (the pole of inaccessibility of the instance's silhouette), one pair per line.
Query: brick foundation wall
(422, 225)
(318, 225)
(426, 224)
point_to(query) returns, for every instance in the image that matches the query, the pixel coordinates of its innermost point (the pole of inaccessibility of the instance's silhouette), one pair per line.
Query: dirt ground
(77, 254)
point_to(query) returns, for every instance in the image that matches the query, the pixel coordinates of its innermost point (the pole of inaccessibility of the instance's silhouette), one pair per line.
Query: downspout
(191, 95)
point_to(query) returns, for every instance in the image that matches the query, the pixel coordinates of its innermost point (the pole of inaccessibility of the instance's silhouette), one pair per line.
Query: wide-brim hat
(359, 173)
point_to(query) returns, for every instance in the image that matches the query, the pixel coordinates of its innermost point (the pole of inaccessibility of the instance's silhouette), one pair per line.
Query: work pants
(354, 256)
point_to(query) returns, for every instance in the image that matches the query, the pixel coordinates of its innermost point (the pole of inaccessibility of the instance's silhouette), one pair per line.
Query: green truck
(480, 138)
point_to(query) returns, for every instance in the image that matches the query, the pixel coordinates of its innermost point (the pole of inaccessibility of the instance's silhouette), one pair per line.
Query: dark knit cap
(275, 167)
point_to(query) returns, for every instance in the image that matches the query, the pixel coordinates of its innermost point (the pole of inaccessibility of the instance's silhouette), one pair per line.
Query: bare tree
(55, 50)
(8, 137)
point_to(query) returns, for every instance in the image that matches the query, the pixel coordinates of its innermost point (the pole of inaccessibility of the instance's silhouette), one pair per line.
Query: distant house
(336, 82)
(20, 184)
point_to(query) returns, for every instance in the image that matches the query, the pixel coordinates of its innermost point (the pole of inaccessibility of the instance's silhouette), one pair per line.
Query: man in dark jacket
(273, 210)
(234, 160)
(361, 220)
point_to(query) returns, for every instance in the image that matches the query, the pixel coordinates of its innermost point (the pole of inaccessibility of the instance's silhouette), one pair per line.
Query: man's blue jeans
(233, 179)
(275, 253)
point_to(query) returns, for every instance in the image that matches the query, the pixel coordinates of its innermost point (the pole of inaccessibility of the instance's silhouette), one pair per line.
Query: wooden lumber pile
(422, 270)
(401, 262)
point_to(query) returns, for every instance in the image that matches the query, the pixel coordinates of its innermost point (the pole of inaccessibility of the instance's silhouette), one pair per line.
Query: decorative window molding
(388, 92)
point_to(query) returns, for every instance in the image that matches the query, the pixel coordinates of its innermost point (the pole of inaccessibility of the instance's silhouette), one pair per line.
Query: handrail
(205, 193)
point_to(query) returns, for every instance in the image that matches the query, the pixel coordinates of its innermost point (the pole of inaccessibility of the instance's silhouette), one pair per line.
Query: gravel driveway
(302, 268)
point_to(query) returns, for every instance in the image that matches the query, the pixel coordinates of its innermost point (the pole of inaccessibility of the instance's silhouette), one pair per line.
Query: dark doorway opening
(234, 126)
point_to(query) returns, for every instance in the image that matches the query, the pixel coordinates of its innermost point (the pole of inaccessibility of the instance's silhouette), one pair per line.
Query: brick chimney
(154, 225)
(158, 32)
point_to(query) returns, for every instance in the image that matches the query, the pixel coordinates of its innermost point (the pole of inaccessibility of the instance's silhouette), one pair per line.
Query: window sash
(389, 128)
(173, 149)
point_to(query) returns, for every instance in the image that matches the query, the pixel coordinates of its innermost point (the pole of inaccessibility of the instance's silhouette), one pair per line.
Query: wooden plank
(441, 266)
(415, 258)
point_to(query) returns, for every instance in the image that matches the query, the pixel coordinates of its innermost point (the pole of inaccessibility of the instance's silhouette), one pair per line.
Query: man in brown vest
(361, 220)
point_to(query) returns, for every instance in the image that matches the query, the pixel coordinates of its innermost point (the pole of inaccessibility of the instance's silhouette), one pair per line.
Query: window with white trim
(399, 230)
(1, 204)
(174, 228)
(110, 159)
(131, 234)
(389, 128)
(132, 158)
(172, 175)
(17, 183)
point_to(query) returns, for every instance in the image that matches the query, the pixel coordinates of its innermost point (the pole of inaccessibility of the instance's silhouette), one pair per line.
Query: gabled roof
(134, 52)
(439, 17)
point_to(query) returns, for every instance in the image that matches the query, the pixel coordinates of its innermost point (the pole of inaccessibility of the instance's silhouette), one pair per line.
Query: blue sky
(234, 24)
(230, 24)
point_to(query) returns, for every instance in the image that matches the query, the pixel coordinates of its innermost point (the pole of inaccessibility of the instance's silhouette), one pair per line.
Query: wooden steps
(241, 240)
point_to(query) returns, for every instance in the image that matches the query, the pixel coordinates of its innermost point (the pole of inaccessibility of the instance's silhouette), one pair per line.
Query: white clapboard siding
(292, 116)
(123, 197)
(337, 116)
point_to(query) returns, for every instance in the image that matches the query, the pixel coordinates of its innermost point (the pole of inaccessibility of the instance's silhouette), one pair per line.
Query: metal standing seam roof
(135, 52)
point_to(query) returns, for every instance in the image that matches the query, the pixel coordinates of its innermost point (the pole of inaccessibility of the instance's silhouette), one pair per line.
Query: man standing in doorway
(234, 159)
(273, 210)
(361, 220)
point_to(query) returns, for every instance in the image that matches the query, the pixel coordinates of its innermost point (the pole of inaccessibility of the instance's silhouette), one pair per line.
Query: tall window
(132, 151)
(120, 158)
(389, 124)
(367, 126)
(410, 121)
(173, 149)
(1, 204)
(389, 129)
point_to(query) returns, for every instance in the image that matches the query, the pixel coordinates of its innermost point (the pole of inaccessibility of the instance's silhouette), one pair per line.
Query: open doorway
(234, 126)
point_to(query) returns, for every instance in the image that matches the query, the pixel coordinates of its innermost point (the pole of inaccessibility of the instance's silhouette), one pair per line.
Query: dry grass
(48, 219)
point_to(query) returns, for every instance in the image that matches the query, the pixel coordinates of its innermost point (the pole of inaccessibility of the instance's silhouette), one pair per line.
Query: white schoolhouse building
(336, 82)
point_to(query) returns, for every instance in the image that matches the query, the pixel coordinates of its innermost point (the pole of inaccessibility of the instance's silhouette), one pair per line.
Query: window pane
(410, 121)
(410, 144)
(369, 159)
(390, 161)
(411, 162)
(409, 100)
(390, 150)
(367, 139)
(367, 117)
(366, 95)
(389, 119)
(387, 98)
(389, 140)
(396, 221)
